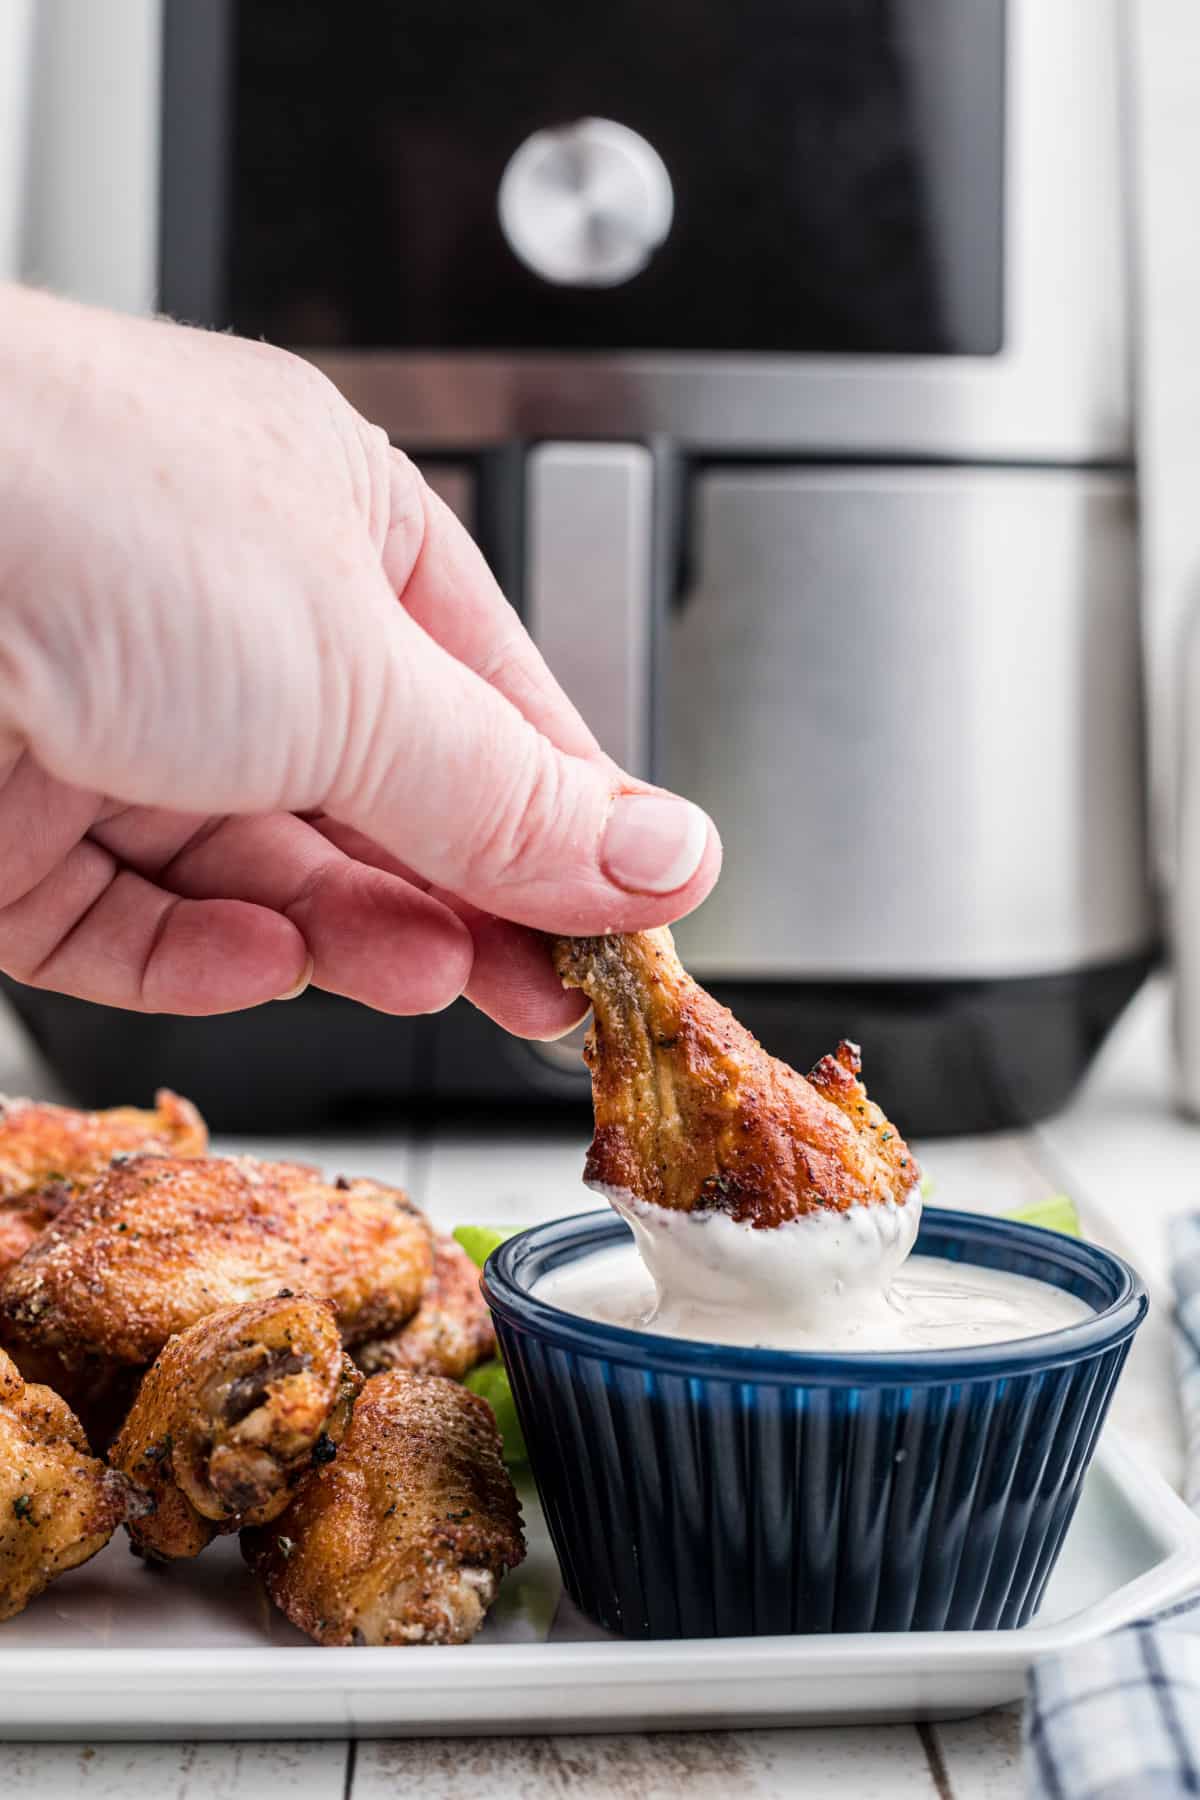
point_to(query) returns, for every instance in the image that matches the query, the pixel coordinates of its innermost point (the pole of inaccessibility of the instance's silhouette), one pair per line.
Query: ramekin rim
(851, 1368)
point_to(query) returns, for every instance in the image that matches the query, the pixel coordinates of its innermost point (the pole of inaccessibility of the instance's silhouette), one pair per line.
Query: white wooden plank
(1129, 1161)
(1122, 1143)
(882, 1762)
(512, 1178)
(990, 1174)
(981, 1757)
(387, 1154)
(312, 1770)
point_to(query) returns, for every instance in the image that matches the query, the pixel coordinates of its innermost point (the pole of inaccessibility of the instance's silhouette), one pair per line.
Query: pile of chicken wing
(196, 1345)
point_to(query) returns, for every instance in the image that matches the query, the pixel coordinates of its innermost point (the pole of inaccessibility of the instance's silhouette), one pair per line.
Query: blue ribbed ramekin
(696, 1490)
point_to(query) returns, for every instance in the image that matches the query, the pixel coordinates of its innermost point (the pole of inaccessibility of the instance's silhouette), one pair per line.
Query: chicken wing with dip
(47, 1153)
(59, 1505)
(235, 1411)
(405, 1536)
(692, 1114)
(157, 1243)
(746, 1184)
(450, 1331)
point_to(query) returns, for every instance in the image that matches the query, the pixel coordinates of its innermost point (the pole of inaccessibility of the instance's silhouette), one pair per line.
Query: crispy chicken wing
(99, 1394)
(47, 1153)
(24, 1217)
(157, 1243)
(404, 1538)
(691, 1112)
(450, 1331)
(58, 1503)
(234, 1412)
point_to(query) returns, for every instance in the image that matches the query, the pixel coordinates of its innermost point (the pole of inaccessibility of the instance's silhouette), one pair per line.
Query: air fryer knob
(586, 204)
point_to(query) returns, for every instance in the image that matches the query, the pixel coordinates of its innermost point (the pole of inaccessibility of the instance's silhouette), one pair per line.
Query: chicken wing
(59, 1505)
(450, 1331)
(691, 1112)
(24, 1217)
(235, 1410)
(47, 1153)
(404, 1538)
(157, 1243)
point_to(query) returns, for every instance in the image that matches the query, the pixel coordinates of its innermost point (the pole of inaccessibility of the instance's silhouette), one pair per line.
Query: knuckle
(409, 502)
(404, 470)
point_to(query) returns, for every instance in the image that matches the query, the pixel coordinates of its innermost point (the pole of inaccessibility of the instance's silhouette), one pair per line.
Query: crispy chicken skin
(450, 1331)
(59, 1505)
(157, 1243)
(47, 1153)
(404, 1537)
(691, 1112)
(234, 1412)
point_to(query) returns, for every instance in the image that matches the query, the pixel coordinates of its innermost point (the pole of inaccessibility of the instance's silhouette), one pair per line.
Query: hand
(265, 715)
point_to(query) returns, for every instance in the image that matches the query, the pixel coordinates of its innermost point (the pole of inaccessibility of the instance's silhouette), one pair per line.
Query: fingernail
(652, 844)
(294, 993)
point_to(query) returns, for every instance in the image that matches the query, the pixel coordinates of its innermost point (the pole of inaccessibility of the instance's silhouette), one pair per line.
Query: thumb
(447, 775)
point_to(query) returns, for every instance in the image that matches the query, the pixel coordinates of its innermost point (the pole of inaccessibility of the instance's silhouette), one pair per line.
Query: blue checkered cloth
(1119, 1719)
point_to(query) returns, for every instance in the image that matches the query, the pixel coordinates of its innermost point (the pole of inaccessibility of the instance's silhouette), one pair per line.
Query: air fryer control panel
(784, 175)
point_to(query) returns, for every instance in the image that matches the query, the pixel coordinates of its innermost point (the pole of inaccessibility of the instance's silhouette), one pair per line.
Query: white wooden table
(1119, 1151)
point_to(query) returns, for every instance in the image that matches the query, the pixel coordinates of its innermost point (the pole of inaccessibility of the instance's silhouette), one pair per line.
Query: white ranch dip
(828, 1281)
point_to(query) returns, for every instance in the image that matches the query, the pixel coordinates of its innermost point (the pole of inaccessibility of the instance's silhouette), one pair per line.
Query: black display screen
(837, 168)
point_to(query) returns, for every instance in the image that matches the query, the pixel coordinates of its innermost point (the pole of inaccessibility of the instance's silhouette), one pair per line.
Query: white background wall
(79, 146)
(1165, 50)
(16, 42)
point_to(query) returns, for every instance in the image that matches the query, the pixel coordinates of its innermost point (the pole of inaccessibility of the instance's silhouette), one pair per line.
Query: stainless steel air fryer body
(777, 352)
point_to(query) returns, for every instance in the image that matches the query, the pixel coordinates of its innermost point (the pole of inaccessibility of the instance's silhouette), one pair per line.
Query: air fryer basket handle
(590, 584)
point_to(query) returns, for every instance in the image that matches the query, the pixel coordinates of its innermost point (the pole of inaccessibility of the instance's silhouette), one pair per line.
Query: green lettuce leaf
(490, 1381)
(480, 1240)
(1057, 1213)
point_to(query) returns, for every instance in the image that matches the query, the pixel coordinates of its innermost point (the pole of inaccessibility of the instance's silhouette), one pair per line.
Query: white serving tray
(116, 1650)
